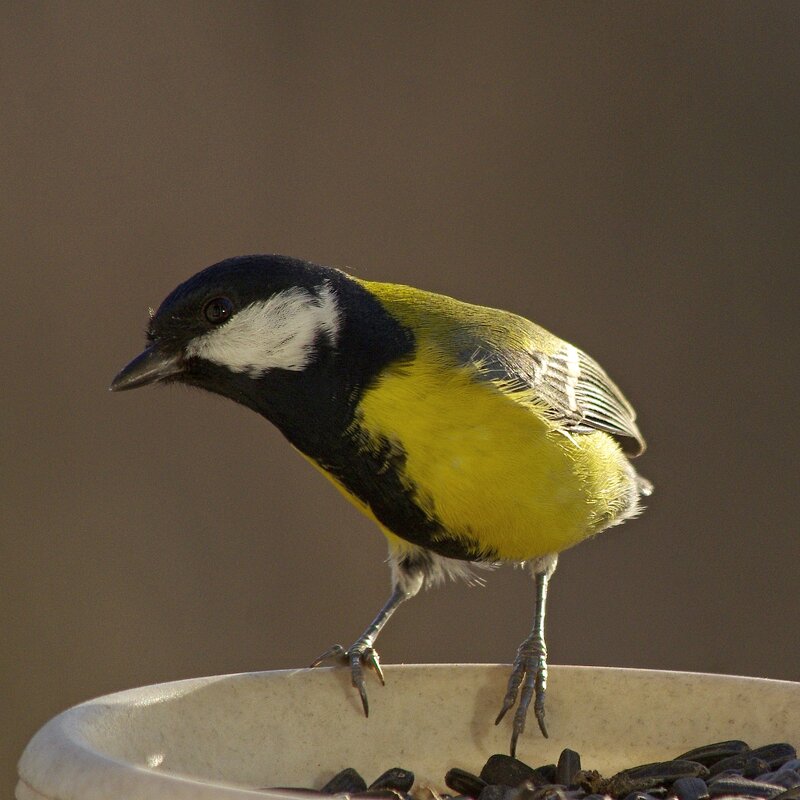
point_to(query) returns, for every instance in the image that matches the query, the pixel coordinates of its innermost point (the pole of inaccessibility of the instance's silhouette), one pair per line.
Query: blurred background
(622, 173)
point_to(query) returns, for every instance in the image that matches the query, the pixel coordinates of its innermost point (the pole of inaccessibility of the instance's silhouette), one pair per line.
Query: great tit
(469, 435)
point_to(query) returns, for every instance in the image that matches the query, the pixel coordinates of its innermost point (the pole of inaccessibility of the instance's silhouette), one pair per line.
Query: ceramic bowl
(227, 737)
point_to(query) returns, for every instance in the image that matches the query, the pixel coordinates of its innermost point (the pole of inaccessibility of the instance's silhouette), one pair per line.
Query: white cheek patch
(278, 333)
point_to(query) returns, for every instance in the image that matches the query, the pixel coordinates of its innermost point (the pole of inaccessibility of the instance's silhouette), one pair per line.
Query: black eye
(217, 310)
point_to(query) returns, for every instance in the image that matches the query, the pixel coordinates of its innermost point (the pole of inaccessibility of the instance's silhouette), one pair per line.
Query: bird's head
(277, 334)
(237, 321)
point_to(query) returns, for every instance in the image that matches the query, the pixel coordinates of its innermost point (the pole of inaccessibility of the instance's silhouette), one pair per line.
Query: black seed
(496, 791)
(754, 767)
(525, 791)
(640, 796)
(792, 763)
(650, 776)
(736, 763)
(551, 791)
(709, 754)
(548, 773)
(787, 778)
(463, 782)
(728, 773)
(510, 771)
(395, 778)
(789, 794)
(348, 780)
(690, 789)
(569, 764)
(379, 794)
(775, 754)
(742, 786)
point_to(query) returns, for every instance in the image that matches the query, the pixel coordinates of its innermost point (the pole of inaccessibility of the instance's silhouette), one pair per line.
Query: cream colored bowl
(225, 737)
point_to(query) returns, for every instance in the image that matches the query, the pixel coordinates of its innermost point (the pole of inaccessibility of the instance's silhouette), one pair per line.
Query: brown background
(625, 174)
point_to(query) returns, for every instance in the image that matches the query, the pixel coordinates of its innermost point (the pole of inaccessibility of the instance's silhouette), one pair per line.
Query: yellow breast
(491, 469)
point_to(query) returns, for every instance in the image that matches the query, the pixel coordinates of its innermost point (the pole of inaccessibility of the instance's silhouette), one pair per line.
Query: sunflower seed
(734, 763)
(510, 771)
(690, 789)
(775, 754)
(742, 786)
(640, 796)
(463, 782)
(788, 778)
(496, 791)
(569, 764)
(395, 778)
(552, 791)
(754, 767)
(346, 781)
(547, 772)
(709, 754)
(649, 776)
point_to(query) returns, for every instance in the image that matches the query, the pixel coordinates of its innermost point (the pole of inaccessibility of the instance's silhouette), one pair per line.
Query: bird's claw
(335, 651)
(529, 672)
(359, 655)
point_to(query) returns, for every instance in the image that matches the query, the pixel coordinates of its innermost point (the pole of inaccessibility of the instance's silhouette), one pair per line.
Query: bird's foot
(530, 672)
(361, 654)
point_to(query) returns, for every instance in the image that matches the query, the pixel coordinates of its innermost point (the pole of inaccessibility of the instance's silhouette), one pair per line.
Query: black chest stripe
(374, 471)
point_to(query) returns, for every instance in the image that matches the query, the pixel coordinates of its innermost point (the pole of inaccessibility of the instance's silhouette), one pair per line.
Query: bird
(470, 435)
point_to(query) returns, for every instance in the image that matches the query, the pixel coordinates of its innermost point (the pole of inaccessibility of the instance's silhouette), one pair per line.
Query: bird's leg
(408, 577)
(530, 663)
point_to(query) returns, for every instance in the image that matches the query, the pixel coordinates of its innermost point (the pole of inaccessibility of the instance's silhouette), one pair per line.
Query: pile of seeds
(720, 770)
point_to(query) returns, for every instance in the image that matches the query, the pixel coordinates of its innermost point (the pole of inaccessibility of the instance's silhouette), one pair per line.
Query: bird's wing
(570, 387)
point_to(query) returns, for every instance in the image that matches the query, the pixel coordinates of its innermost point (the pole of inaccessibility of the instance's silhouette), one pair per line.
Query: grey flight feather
(578, 393)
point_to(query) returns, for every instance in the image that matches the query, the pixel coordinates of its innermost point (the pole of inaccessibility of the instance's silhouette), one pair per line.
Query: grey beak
(150, 366)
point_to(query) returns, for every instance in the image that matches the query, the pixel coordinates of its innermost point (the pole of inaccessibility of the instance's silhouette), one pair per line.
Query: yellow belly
(491, 469)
